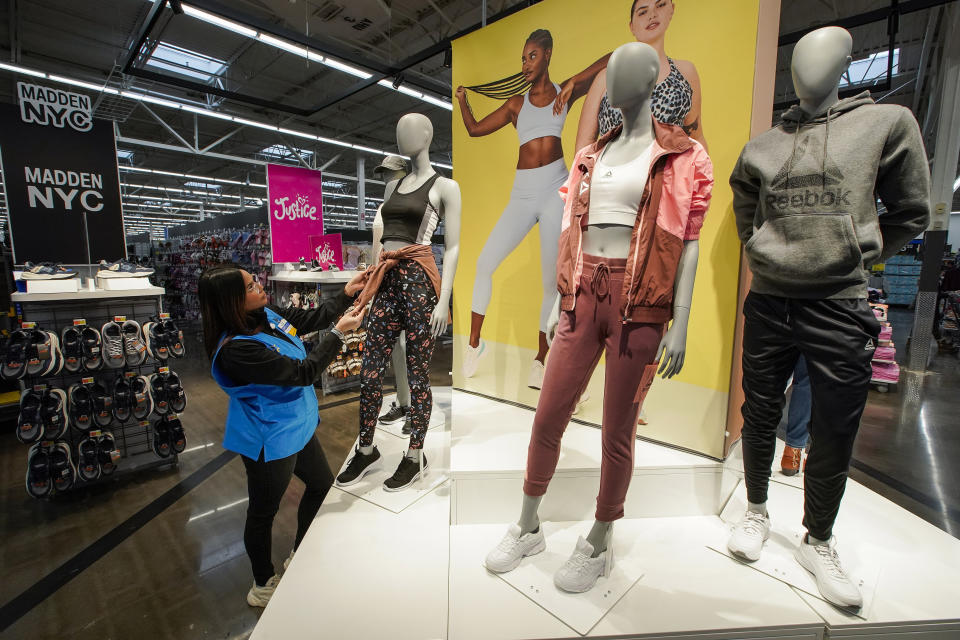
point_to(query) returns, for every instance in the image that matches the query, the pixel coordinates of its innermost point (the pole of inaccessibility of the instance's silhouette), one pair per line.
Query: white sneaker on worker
(834, 584)
(260, 596)
(747, 538)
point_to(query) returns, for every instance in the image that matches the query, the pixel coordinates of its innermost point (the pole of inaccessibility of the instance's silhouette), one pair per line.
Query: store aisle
(184, 573)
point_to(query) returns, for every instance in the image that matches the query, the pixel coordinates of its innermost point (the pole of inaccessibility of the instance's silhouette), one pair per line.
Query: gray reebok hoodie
(805, 197)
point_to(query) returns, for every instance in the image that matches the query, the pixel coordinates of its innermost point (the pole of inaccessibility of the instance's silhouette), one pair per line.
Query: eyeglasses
(254, 285)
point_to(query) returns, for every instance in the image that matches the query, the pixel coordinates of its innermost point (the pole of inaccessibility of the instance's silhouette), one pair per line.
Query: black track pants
(837, 338)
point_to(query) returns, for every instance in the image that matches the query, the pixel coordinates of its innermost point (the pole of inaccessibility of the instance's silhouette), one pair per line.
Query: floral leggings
(404, 302)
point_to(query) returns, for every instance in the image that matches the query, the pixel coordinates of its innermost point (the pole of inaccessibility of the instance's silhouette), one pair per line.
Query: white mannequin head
(632, 75)
(819, 59)
(414, 134)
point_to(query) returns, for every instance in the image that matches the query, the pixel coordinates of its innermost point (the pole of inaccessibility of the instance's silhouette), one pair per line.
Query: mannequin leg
(419, 300)
(833, 335)
(529, 521)
(382, 330)
(598, 536)
(399, 362)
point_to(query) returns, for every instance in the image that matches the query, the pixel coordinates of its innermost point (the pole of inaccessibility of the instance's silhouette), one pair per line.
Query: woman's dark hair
(222, 295)
(516, 84)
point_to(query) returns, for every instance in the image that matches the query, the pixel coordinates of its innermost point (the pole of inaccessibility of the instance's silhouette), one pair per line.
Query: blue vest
(277, 420)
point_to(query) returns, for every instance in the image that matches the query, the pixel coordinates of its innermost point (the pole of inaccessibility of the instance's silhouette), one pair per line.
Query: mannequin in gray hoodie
(805, 203)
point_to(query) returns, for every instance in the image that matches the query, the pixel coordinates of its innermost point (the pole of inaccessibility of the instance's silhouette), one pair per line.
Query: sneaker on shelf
(122, 269)
(790, 461)
(513, 548)
(142, 400)
(106, 446)
(30, 420)
(123, 402)
(102, 405)
(178, 439)
(333, 268)
(72, 349)
(747, 538)
(135, 351)
(88, 462)
(46, 271)
(303, 265)
(39, 480)
(81, 407)
(581, 571)
(16, 354)
(833, 583)
(161, 439)
(535, 381)
(155, 336)
(54, 413)
(173, 389)
(395, 414)
(408, 472)
(91, 343)
(472, 357)
(260, 596)
(174, 338)
(359, 466)
(114, 356)
(159, 394)
(61, 466)
(315, 265)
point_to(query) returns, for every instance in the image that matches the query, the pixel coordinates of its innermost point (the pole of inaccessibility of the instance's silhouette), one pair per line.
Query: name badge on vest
(286, 327)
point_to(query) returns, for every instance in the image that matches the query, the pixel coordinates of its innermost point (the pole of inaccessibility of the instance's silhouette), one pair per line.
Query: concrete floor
(184, 573)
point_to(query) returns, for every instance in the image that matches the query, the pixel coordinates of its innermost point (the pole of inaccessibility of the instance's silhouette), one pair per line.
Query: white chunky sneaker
(260, 596)
(513, 548)
(286, 563)
(822, 561)
(535, 381)
(580, 572)
(747, 538)
(471, 358)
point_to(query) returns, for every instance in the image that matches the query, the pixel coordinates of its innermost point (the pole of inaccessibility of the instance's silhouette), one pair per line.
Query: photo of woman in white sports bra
(528, 104)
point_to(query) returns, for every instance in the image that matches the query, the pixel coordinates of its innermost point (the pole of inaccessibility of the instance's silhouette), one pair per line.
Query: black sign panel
(53, 175)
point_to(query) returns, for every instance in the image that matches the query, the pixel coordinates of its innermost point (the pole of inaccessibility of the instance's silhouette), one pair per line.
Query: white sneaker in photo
(471, 358)
(535, 381)
(513, 548)
(747, 538)
(834, 584)
(582, 400)
(580, 572)
(260, 596)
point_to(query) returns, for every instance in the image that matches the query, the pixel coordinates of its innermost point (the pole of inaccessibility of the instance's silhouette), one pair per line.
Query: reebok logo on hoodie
(804, 197)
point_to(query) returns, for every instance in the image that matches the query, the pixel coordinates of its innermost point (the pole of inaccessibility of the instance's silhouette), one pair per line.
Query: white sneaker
(286, 563)
(513, 548)
(471, 358)
(260, 596)
(580, 572)
(535, 381)
(747, 538)
(823, 562)
(582, 400)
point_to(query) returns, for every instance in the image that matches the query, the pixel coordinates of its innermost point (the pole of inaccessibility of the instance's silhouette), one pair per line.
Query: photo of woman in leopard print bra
(676, 99)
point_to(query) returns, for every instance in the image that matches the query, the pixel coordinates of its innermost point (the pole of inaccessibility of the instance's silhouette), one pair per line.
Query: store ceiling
(91, 41)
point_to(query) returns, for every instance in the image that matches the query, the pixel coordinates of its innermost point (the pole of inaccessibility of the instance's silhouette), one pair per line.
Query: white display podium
(365, 571)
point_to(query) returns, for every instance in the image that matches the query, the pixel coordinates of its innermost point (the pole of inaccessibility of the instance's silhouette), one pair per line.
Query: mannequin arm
(377, 235)
(450, 194)
(673, 346)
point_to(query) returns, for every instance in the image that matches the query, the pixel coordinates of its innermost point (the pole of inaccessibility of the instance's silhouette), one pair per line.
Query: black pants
(837, 338)
(266, 484)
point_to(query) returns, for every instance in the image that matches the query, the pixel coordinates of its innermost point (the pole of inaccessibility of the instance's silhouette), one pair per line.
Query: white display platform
(364, 571)
(83, 294)
(66, 285)
(124, 284)
(777, 559)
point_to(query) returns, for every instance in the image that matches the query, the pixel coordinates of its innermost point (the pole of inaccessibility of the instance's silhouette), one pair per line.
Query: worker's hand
(351, 319)
(356, 284)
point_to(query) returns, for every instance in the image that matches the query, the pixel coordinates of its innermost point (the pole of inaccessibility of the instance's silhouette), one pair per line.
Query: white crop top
(539, 122)
(616, 191)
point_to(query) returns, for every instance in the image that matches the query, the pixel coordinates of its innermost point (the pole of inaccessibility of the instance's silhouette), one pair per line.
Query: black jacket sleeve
(310, 320)
(251, 362)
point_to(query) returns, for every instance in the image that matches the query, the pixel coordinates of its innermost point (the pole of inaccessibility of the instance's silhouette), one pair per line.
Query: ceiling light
(206, 112)
(254, 123)
(283, 44)
(18, 69)
(230, 25)
(342, 66)
(81, 83)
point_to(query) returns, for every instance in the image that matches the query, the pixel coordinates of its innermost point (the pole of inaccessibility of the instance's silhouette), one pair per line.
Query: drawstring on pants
(600, 282)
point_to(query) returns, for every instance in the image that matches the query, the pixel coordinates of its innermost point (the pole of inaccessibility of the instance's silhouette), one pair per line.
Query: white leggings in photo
(534, 199)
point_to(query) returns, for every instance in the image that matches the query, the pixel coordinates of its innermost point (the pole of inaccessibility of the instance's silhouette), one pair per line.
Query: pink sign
(327, 250)
(295, 203)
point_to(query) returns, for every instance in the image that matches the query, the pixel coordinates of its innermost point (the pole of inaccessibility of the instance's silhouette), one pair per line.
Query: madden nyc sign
(54, 107)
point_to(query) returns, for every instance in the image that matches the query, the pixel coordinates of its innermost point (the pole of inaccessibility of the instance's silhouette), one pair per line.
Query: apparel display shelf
(53, 312)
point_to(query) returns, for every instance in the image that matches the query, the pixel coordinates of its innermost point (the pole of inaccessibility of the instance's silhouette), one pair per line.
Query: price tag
(144, 423)
(96, 434)
(164, 316)
(46, 443)
(119, 318)
(164, 370)
(80, 322)
(40, 387)
(28, 325)
(130, 374)
(173, 416)
(114, 455)
(87, 380)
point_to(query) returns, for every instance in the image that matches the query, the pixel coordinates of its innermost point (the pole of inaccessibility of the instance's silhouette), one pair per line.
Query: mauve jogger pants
(595, 326)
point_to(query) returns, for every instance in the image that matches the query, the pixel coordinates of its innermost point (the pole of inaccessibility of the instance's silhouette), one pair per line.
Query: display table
(84, 294)
(366, 572)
